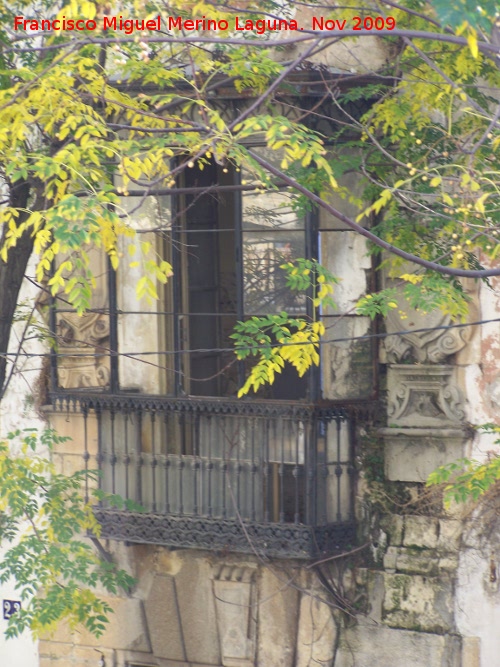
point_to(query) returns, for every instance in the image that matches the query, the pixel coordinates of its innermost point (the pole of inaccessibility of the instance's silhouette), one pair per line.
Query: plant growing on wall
(467, 479)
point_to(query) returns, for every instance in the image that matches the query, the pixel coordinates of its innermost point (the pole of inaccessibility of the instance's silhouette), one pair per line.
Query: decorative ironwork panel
(275, 540)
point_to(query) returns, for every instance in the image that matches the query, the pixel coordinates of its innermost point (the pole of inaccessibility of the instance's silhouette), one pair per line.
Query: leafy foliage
(467, 479)
(276, 339)
(475, 14)
(43, 516)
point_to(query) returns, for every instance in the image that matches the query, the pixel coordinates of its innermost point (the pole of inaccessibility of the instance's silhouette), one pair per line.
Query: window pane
(264, 282)
(273, 233)
(270, 210)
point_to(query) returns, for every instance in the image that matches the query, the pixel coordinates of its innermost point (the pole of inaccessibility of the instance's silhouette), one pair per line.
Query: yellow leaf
(411, 278)
(479, 205)
(472, 42)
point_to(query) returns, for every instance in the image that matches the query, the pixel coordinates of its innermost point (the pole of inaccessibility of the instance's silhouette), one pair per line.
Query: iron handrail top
(196, 404)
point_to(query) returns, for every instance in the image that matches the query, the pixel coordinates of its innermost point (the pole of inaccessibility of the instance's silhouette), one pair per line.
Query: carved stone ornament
(235, 594)
(434, 345)
(423, 396)
(81, 338)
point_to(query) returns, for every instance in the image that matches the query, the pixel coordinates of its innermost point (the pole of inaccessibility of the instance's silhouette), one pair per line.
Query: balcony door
(229, 246)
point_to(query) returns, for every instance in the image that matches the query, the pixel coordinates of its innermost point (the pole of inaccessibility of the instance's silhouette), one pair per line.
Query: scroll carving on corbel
(435, 343)
(432, 346)
(234, 592)
(82, 344)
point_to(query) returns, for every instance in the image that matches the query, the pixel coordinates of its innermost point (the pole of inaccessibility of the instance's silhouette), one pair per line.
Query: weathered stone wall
(439, 383)
(17, 411)
(477, 601)
(200, 608)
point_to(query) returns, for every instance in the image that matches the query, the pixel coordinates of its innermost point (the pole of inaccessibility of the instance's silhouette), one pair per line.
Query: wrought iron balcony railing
(249, 476)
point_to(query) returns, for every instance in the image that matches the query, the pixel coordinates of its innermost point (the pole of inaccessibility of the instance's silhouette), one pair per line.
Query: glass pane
(270, 210)
(264, 282)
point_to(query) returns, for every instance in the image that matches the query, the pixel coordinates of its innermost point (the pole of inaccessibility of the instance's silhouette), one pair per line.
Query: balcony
(263, 477)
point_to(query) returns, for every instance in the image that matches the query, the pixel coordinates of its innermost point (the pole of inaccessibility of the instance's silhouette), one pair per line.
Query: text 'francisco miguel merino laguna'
(259, 26)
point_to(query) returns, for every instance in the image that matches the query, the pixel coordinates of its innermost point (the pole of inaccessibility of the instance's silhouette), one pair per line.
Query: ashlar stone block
(393, 525)
(277, 620)
(411, 454)
(414, 602)
(421, 532)
(317, 632)
(235, 605)
(378, 646)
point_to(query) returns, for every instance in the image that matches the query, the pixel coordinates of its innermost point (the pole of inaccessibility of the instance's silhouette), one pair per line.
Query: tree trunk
(11, 276)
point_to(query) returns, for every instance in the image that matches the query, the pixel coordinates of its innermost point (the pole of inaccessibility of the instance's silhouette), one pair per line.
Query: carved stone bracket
(423, 395)
(425, 417)
(235, 595)
(432, 344)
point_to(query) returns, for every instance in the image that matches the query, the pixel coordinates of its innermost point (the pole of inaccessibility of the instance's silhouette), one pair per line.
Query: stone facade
(414, 597)
(409, 595)
(198, 608)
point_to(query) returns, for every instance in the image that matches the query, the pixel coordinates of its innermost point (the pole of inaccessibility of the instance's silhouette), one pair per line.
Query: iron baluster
(154, 460)
(338, 470)
(139, 459)
(296, 470)
(237, 436)
(209, 466)
(195, 422)
(100, 452)
(167, 464)
(86, 455)
(310, 435)
(113, 452)
(265, 473)
(351, 471)
(282, 473)
(253, 470)
(126, 455)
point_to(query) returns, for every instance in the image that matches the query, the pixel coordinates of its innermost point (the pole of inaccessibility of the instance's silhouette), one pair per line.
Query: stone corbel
(425, 418)
(425, 411)
(234, 592)
(423, 395)
(435, 343)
